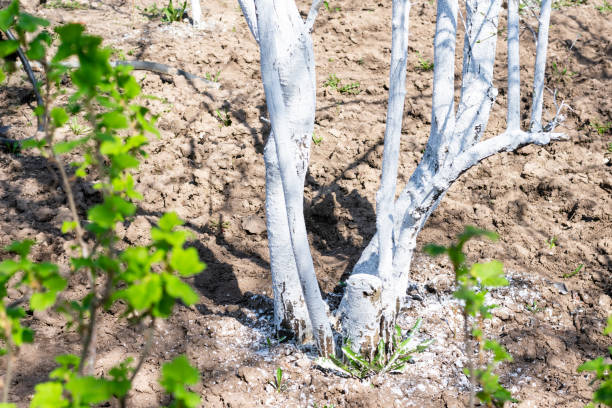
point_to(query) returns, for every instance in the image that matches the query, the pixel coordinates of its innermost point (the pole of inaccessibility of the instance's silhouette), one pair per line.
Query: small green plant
(224, 118)
(176, 376)
(574, 272)
(219, 226)
(333, 82)
(278, 383)
(533, 307)
(472, 286)
(144, 281)
(560, 4)
(610, 147)
(601, 128)
(76, 128)
(402, 348)
(278, 340)
(552, 242)
(561, 73)
(423, 63)
(65, 4)
(212, 78)
(316, 139)
(151, 11)
(171, 14)
(351, 89)
(603, 374)
(605, 8)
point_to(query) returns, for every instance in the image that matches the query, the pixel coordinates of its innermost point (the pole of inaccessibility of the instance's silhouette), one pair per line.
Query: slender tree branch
(8, 375)
(395, 112)
(248, 10)
(443, 94)
(143, 355)
(28, 69)
(514, 70)
(540, 66)
(312, 15)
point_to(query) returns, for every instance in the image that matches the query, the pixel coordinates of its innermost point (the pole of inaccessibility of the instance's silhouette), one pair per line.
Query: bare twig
(312, 15)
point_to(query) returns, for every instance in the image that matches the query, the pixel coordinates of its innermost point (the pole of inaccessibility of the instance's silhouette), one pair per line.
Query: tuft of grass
(533, 307)
(423, 63)
(333, 82)
(151, 11)
(552, 242)
(601, 128)
(168, 14)
(77, 128)
(224, 118)
(605, 8)
(560, 4)
(351, 89)
(357, 366)
(278, 383)
(171, 14)
(575, 272)
(66, 4)
(316, 139)
(212, 78)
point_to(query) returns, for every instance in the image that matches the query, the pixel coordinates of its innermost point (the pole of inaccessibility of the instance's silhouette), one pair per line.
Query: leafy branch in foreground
(603, 374)
(402, 348)
(472, 287)
(145, 281)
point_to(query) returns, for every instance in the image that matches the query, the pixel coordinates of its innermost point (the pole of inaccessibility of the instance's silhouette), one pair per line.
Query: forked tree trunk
(376, 290)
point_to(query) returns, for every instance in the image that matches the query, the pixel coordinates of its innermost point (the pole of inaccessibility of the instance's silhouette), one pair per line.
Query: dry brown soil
(213, 176)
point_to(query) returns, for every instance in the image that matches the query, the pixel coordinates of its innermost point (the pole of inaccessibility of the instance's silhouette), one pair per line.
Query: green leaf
(604, 393)
(59, 116)
(141, 296)
(169, 221)
(113, 209)
(68, 226)
(186, 261)
(499, 352)
(176, 375)
(472, 232)
(597, 365)
(65, 147)
(30, 23)
(114, 120)
(434, 250)
(42, 301)
(354, 357)
(608, 329)
(22, 248)
(88, 390)
(48, 395)
(490, 274)
(7, 47)
(179, 289)
(7, 15)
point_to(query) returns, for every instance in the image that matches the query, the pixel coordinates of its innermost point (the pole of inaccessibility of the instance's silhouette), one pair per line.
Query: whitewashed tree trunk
(376, 290)
(196, 13)
(288, 74)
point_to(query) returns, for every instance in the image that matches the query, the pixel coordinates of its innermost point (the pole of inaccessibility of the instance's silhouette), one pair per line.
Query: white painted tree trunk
(196, 13)
(377, 287)
(288, 74)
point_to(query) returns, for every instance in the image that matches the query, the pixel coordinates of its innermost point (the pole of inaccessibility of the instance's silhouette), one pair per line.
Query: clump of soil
(212, 175)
